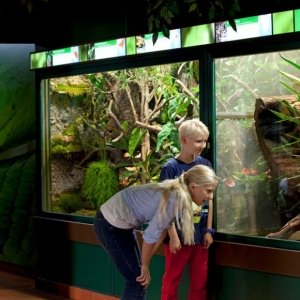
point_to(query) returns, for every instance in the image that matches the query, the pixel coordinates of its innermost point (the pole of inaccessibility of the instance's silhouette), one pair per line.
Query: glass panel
(104, 131)
(258, 144)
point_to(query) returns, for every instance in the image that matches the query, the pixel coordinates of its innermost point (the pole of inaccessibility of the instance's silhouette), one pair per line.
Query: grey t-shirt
(137, 205)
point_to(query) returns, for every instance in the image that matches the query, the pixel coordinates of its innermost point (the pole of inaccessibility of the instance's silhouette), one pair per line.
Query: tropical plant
(100, 183)
(290, 112)
(162, 13)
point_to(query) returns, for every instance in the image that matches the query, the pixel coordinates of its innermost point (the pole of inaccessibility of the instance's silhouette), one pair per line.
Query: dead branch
(154, 128)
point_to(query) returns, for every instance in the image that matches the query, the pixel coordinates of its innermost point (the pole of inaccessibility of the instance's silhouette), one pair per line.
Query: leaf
(157, 4)
(290, 88)
(284, 117)
(290, 62)
(211, 13)
(166, 32)
(154, 37)
(232, 23)
(150, 23)
(135, 138)
(167, 15)
(163, 135)
(193, 7)
(292, 78)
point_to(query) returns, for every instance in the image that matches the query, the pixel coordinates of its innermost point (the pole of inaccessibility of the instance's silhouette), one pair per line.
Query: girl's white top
(137, 205)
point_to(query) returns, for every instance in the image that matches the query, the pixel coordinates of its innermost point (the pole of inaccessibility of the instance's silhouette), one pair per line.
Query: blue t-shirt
(173, 168)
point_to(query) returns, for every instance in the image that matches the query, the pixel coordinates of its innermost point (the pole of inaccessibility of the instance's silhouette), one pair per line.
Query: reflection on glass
(258, 145)
(105, 131)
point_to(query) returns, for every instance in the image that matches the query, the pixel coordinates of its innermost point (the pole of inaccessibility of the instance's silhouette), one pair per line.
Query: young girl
(159, 205)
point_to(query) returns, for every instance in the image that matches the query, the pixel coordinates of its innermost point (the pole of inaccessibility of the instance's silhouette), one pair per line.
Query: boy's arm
(208, 239)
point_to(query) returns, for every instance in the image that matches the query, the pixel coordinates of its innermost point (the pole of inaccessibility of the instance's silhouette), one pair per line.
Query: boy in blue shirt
(193, 135)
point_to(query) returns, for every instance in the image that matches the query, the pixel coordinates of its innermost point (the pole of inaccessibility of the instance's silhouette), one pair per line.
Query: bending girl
(157, 204)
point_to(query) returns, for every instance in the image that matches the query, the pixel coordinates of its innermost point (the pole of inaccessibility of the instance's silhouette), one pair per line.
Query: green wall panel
(237, 284)
(89, 267)
(94, 272)
(17, 157)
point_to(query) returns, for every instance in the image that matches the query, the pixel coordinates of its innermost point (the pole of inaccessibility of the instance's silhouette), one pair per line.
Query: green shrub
(100, 183)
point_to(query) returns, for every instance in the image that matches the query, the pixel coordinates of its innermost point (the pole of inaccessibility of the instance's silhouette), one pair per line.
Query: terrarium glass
(104, 131)
(258, 144)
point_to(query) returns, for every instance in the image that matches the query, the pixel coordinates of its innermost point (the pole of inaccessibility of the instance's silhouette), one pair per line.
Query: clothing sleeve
(167, 172)
(155, 227)
(209, 163)
(154, 230)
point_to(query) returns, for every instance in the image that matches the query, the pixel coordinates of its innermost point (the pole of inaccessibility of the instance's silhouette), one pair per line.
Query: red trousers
(196, 257)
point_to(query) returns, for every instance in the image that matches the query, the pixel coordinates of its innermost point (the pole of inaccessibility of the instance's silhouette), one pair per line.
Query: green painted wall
(17, 156)
(89, 267)
(236, 284)
(68, 263)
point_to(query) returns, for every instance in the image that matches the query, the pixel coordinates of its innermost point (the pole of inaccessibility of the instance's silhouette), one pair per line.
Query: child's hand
(174, 244)
(208, 240)
(145, 277)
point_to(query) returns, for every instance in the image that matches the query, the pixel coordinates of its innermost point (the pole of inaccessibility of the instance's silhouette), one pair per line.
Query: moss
(100, 183)
(70, 203)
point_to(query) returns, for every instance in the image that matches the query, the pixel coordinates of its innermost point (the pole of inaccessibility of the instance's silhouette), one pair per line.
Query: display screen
(63, 56)
(198, 35)
(38, 60)
(297, 19)
(283, 22)
(144, 43)
(250, 27)
(112, 48)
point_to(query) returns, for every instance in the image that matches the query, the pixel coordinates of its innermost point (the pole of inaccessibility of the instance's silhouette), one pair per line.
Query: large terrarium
(258, 145)
(107, 130)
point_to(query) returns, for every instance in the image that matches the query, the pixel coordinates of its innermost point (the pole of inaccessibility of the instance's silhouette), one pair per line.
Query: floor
(15, 287)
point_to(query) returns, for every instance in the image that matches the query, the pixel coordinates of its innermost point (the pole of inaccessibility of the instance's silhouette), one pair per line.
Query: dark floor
(15, 287)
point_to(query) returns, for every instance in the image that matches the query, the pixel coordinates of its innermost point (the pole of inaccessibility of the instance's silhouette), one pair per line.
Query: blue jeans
(122, 246)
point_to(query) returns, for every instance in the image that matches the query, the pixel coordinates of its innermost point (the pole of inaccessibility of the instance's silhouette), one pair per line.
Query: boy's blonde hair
(201, 175)
(193, 127)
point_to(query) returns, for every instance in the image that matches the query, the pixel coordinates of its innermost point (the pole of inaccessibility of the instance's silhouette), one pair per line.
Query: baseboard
(28, 272)
(70, 292)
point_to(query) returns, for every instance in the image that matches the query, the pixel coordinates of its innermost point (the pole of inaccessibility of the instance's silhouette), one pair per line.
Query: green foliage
(67, 142)
(162, 13)
(72, 90)
(293, 83)
(291, 114)
(168, 133)
(70, 203)
(135, 139)
(100, 183)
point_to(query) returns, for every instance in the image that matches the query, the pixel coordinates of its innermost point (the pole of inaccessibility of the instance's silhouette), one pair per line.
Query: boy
(193, 135)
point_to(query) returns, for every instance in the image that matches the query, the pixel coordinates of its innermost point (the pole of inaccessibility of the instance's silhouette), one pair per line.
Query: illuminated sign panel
(198, 35)
(145, 44)
(256, 26)
(250, 27)
(112, 48)
(63, 56)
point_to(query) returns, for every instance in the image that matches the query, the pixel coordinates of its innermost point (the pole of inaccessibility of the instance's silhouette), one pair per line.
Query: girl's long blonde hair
(200, 175)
